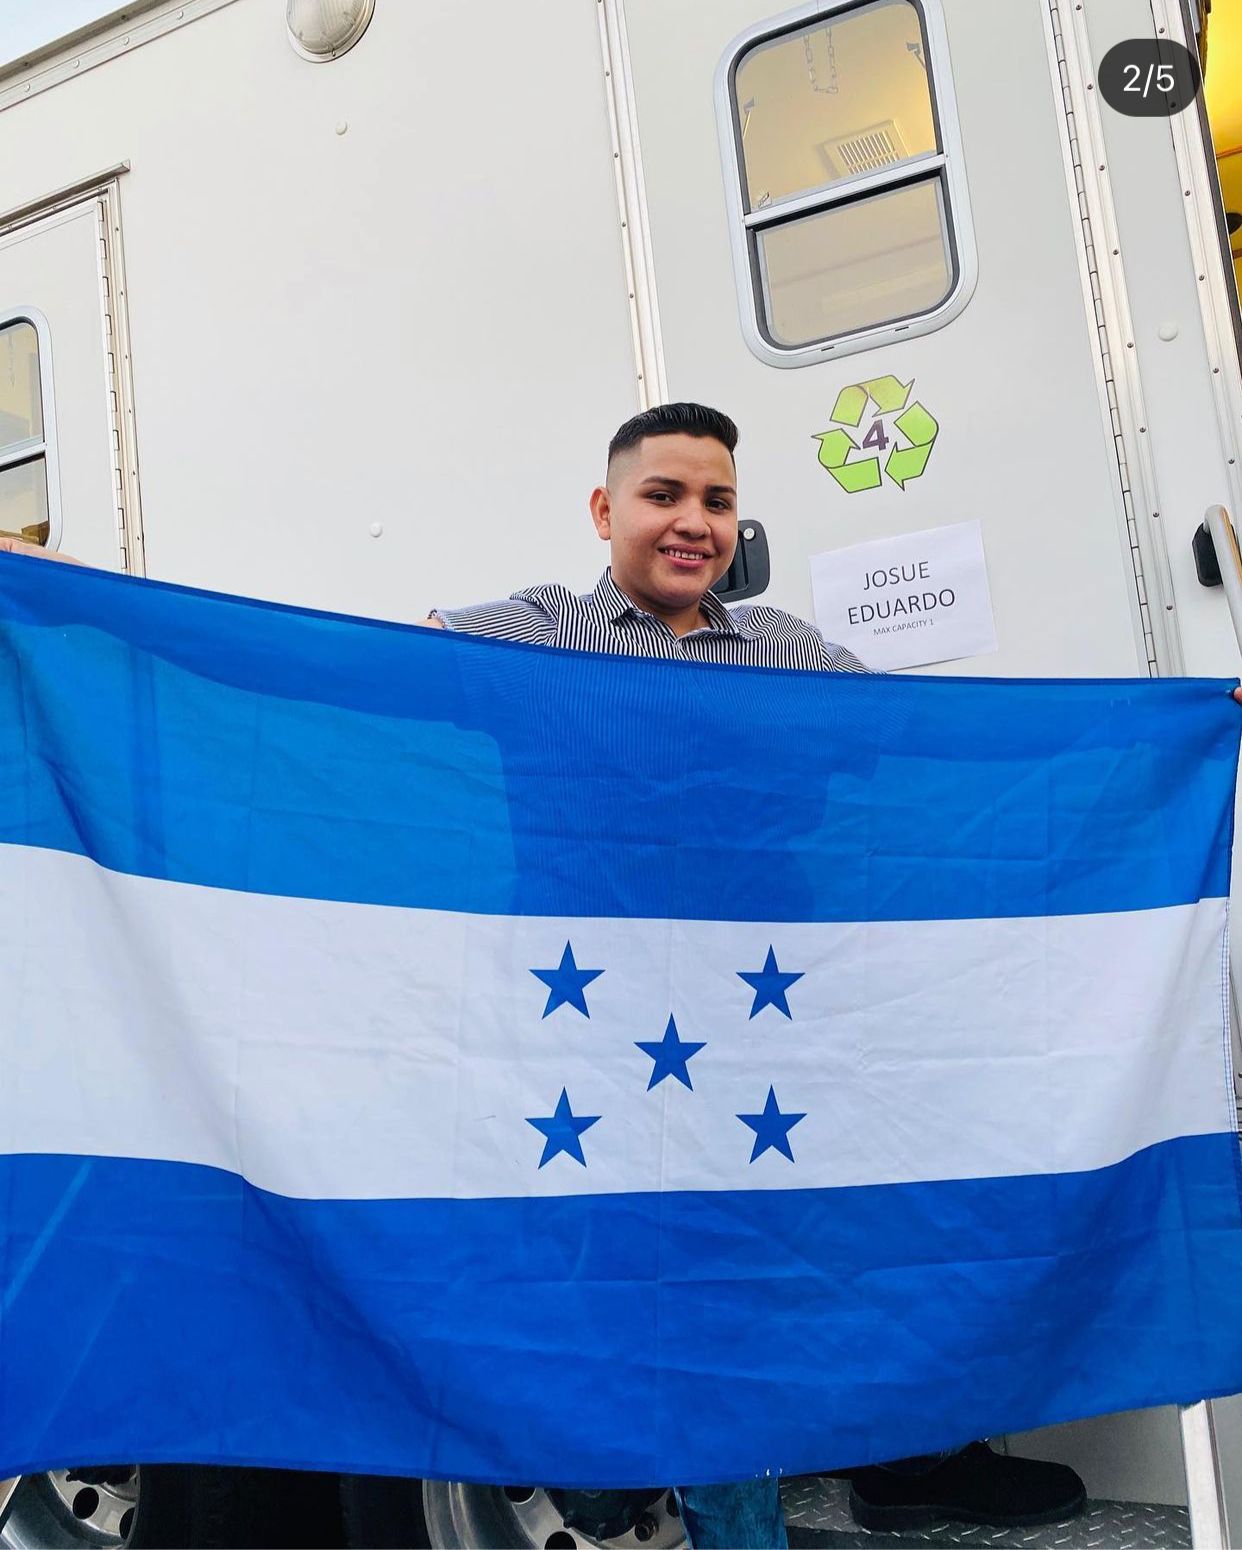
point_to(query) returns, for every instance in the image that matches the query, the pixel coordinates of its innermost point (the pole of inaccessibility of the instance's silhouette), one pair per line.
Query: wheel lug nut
(645, 1528)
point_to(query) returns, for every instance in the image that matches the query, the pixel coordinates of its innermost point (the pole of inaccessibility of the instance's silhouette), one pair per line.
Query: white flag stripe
(328, 1050)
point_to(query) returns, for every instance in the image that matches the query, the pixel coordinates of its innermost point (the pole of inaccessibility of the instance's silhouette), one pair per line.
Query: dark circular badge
(1149, 78)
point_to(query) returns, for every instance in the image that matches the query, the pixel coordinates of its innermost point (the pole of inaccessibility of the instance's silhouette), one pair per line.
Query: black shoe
(973, 1486)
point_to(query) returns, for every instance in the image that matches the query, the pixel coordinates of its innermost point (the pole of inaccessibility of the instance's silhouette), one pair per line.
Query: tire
(383, 1513)
(393, 1514)
(174, 1507)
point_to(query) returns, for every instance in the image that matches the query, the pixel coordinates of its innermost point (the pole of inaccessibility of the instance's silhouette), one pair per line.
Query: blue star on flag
(771, 1128)
(566, 983)
(769, 986)
(562, 1130)
(670, 1056)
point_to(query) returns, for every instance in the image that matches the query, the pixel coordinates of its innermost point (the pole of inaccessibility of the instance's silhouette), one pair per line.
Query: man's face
(670, 513)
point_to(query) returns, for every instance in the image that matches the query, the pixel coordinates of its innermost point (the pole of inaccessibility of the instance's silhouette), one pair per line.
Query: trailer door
(61, 458)
(865, 205)
(887, 205)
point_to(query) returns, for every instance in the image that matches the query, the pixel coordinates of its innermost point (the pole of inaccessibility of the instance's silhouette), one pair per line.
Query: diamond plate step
(818, 1514)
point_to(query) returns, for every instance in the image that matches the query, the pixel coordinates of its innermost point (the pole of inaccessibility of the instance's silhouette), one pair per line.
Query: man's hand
(438, 624)
(36, 551)
(1237, 694)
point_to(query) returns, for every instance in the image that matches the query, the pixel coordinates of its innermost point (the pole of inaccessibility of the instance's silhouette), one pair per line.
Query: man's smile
(691, 559)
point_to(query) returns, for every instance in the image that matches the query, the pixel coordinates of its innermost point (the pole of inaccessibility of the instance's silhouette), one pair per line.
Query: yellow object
(1223, 93)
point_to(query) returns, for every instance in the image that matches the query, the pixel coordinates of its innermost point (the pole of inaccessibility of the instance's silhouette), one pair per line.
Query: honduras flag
(456, 1058)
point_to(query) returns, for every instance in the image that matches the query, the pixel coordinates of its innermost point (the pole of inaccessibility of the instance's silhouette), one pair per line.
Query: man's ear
(601, 511)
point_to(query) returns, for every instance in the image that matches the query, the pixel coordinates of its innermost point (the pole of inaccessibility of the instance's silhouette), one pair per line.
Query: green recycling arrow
(848, 409)
(834, 448)
(888, 394)
(920, 430)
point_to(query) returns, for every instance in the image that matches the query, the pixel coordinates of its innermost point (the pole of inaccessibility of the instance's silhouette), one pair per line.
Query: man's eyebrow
(679, 484)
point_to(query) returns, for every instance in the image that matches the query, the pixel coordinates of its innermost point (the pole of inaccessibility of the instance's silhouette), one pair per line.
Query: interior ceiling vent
(867, 150)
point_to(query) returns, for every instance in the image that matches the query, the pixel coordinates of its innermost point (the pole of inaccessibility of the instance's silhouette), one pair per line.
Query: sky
(29, 24)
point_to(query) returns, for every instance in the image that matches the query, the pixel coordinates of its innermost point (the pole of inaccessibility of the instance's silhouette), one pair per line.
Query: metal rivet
(1090, 87)
(1101, 166)
(342, 126)
(1129, 344)
(1142, 430)
(376, 529)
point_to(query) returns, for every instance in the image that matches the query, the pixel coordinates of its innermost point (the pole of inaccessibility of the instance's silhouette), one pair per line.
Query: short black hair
(674, 420)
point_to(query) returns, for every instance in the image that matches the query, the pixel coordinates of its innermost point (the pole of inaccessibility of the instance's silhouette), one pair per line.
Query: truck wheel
(66, 1508)
(174, 1507)
(392, 1514)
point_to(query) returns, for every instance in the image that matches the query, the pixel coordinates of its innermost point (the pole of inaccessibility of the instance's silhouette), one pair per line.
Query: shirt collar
(615, 606)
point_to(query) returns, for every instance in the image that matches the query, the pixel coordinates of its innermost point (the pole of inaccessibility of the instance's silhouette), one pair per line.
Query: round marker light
(320, 30)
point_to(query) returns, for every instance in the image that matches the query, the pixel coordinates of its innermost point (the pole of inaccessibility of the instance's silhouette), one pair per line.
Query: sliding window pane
(23, 502)
(857, 265)
(847, 95)
(21, 404)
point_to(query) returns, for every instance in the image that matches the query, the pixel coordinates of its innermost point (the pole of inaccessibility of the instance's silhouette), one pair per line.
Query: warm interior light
(1223, 91)
(323, 29)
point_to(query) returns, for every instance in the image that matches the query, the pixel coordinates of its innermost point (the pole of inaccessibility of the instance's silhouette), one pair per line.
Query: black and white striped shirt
(606, 620)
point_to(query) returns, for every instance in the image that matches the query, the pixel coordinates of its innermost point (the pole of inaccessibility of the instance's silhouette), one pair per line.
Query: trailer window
(23, 445)
(847, 206)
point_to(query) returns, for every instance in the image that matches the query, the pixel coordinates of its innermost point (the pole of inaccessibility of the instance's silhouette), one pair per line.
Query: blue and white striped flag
(441, 1056)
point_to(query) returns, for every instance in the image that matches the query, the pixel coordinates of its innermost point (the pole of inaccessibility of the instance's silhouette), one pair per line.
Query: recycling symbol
(911, 439)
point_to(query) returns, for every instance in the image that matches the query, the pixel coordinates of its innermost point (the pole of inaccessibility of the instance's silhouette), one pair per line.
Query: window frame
(31, 450)
(946, 166)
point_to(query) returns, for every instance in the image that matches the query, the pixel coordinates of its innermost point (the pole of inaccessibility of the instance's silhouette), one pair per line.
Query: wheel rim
(67, 1509)
(525, 1518)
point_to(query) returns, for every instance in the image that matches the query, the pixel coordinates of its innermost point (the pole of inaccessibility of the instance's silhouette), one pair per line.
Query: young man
(668, 511)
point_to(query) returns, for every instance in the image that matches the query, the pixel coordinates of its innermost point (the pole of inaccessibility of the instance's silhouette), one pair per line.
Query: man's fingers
(1237, 694)
(10, 545)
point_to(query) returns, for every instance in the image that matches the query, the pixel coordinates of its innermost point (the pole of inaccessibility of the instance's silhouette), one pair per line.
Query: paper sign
(905, 601)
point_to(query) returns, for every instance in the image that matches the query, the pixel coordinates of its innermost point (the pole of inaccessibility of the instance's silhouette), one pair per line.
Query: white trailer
(338, 303)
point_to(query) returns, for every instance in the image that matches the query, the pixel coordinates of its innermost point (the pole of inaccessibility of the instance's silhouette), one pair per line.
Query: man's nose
(692, 518)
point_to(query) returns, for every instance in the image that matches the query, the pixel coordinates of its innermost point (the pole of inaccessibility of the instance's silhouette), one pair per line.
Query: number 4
(875, 437)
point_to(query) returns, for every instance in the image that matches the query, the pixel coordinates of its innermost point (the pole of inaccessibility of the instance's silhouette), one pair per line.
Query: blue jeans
(742, 1516)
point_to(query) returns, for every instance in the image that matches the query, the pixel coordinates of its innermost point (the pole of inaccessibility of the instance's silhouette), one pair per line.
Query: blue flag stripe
(198, 738)
(567, 1341)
